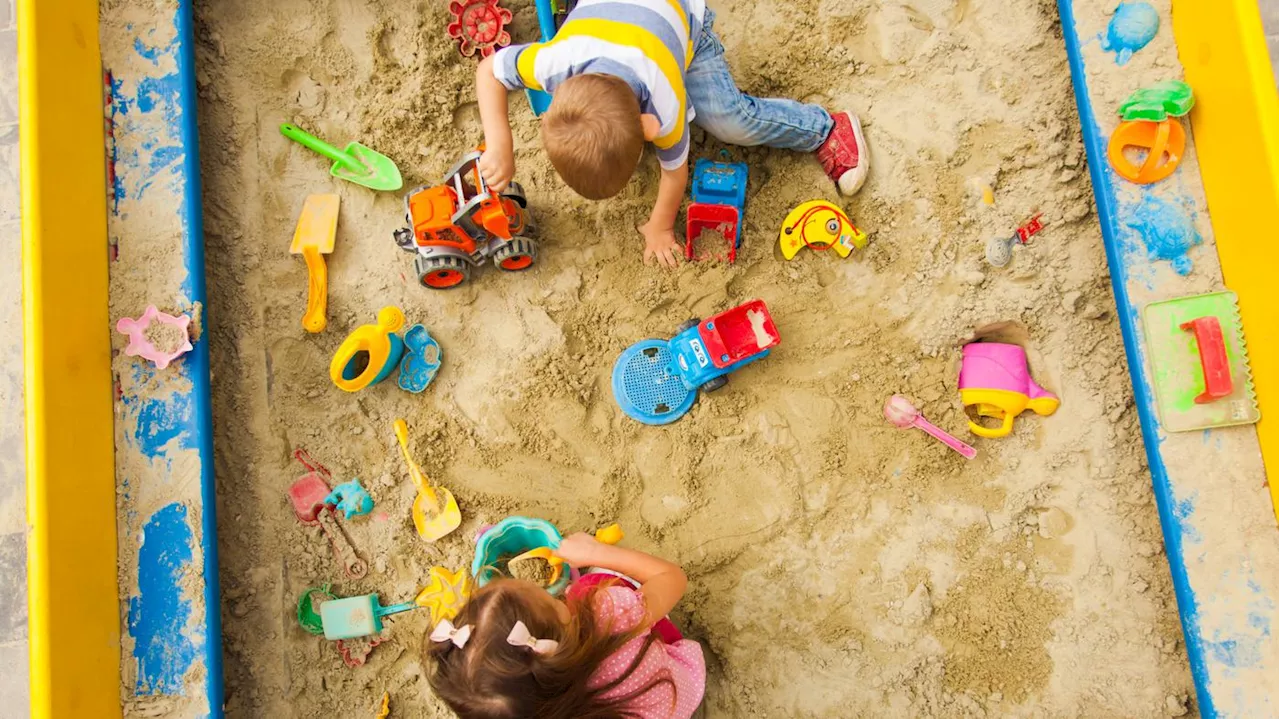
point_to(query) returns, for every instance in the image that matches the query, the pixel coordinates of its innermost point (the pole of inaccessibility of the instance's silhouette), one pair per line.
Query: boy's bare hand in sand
(660, 245)
(497, 166)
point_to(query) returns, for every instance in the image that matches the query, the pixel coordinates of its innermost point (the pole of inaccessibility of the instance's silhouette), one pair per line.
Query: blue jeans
(736, 118)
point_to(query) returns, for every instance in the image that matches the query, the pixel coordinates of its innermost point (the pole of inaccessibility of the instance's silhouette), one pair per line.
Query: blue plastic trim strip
(1127, 312)
(167, 512)
(193, 244)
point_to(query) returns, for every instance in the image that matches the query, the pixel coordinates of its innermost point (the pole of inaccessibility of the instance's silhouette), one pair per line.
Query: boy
(625, 72)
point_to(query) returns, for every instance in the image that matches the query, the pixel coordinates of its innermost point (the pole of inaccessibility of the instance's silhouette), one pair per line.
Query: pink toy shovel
(904, 415)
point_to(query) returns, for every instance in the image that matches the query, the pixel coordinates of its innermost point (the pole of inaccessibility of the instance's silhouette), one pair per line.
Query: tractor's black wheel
(441, 272)
(687, 325)
(516, 255)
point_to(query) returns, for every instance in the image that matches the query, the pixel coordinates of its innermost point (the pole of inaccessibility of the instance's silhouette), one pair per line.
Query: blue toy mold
(1133, 25)
(351, 499)
(421, 362)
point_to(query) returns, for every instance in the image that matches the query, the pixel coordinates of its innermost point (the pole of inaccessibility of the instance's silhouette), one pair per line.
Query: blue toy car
(719, 191)
(657, 381)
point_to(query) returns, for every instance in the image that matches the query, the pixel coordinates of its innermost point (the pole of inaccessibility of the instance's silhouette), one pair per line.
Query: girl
(605, 652)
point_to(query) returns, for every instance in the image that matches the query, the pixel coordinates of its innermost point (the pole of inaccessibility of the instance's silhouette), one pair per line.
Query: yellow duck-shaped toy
(820, 225)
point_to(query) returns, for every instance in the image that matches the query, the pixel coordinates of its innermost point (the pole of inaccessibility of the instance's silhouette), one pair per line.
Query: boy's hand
(579, 550)
(660, 245)
(497, 166)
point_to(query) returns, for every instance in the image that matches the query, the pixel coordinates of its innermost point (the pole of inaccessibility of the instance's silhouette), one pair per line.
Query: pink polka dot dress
(623, 609)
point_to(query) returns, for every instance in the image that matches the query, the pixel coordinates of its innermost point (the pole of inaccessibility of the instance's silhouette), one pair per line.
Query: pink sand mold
(139, 346)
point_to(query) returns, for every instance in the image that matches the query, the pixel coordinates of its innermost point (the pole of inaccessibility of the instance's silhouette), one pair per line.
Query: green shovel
(356, 163)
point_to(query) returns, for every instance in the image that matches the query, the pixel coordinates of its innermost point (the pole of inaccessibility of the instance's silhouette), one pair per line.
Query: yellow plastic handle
(317, 290)
(611, 534)
(415, 472)
(993, 432)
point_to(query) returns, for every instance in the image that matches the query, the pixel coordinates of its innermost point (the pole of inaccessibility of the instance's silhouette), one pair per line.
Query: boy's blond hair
(593, 134)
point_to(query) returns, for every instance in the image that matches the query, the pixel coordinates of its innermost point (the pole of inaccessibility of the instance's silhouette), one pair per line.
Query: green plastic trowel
(1201, 378)
(356, 163)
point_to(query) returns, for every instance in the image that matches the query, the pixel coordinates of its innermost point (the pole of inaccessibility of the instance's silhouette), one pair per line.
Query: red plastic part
(732, 338)
(719, 218)
(307, 495)
(1213, 358)
(479, 25)
(308, 492)
(1031, 227)
(355, 657)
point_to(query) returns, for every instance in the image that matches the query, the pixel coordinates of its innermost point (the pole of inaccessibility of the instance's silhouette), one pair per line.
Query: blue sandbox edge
(1104, 195)
(193, 251)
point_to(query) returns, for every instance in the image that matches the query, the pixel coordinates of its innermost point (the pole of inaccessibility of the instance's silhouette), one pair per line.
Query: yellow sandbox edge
(1224, 55)
(73, 614)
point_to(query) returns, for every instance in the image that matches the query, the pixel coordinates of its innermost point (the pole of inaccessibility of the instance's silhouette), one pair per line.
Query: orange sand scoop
(1164, 142)
(435, 511)
(313, 238)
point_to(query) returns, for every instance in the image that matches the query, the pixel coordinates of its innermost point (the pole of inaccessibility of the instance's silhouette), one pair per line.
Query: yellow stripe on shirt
(524, 65)
(621, 34)
(688, 32)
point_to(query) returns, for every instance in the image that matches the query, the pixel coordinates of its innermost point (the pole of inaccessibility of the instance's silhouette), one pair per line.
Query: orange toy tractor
(460, 223)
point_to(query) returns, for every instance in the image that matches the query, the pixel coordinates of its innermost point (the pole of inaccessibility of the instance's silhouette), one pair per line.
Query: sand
(534, 569)
(165, 337)
(838, 566)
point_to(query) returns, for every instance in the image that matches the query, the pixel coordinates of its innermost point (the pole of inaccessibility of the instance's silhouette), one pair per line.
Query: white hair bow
(446, 632)
(520, 637)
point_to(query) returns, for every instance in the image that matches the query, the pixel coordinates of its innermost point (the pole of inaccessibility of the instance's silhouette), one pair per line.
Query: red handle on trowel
(1213, 358)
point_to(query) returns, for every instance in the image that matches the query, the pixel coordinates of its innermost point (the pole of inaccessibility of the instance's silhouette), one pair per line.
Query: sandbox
(839, 566)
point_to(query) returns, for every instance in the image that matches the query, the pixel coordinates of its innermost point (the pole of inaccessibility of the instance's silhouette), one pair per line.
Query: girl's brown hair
(491, 679)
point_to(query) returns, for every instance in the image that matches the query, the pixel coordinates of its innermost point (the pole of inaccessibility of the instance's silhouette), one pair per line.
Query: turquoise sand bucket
(512, 536)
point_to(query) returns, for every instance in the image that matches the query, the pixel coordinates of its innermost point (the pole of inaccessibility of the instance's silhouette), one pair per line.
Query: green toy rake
(1199, 367)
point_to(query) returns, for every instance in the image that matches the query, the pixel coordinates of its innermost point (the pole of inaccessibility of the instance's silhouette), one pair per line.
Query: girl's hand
(579, 550)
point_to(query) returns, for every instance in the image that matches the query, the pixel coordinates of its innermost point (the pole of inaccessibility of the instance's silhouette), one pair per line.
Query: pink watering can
(995, 381)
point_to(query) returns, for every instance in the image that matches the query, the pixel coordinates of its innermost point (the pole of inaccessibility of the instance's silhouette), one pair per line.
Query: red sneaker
(844, 153)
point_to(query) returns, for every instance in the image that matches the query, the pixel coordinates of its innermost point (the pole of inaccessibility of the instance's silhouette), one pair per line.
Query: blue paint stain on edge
(161, 421)
(1133, 25)
(193, 245)
(1166, 503)
(158, 615)
(1166, 229)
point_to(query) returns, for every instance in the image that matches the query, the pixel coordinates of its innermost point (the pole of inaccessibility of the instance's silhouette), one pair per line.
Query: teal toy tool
(357, 616)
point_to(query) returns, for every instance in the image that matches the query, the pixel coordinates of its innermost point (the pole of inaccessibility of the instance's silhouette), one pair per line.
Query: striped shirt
(646, 43)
